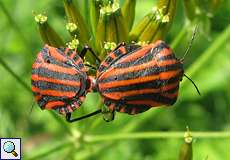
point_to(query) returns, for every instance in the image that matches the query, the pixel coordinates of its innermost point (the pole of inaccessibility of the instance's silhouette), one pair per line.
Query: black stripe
(131, 75)
(61, 49)
(61, 52)
(108, 59)
(80, 65)
(117, 52)
(132, 47)
(139, 86)
(41, 103)
(76, 57)
(146, 58)
(140, 73)
(55, 98)
(45, 99)
(70, 52)
(52, 60)
(171, 67)
(128, 108)
(101, 68)
(159, 48)
(167, 57)
(151, 96)
(45, 50)
(45, 53)
(44, 72)
(44, 85)
(69, 63)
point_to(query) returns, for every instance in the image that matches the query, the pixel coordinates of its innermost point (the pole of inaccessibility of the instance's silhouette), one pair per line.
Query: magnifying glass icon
(9, 147)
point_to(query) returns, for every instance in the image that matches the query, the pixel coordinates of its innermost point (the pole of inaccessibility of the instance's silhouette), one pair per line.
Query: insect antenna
(190, 44)
(193, 84)
(186, 52)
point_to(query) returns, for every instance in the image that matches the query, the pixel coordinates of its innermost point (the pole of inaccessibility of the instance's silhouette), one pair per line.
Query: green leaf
(74, 16)
(128, 12)
(155, 25)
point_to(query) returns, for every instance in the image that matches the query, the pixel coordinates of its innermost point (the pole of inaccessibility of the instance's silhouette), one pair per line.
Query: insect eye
(48, 60)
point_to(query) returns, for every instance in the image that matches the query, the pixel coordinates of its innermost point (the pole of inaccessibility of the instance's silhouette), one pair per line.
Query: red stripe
(169, 86)
(169, 74)
(112, 71)
(53, 52)
(66, 50)
(128, 82)
(146, 102)
(51, 105)
(73, 54)
(54, 92)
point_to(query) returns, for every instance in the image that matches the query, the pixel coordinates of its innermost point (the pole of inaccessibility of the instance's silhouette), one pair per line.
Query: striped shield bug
(133, 78)
(59, 79)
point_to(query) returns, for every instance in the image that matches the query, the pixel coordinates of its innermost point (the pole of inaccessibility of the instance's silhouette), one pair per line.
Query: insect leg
(69, 119)
(87, 48)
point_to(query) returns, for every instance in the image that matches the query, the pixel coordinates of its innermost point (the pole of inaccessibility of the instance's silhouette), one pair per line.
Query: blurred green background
(46, 135)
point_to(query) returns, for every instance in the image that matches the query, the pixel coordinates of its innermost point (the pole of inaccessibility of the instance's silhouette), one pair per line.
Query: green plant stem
(153, 135)
(8, 69)
(125, 136)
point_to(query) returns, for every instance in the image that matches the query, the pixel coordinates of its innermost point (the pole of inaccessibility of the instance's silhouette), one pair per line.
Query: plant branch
(153, 135)
(8, 69)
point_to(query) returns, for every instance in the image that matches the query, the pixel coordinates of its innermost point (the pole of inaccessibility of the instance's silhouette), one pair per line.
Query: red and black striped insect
(133, 79)
(59, 80)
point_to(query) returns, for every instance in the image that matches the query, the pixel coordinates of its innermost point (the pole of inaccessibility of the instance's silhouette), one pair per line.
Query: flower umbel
(186, 152)
(48, 34)
(109, 22)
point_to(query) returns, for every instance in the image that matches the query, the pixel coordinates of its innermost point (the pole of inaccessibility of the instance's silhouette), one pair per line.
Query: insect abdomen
(55, 83)
(147, 77)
